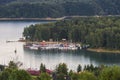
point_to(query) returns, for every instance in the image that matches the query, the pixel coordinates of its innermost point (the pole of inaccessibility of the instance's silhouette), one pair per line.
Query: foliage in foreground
(61, 72)
(13, 73)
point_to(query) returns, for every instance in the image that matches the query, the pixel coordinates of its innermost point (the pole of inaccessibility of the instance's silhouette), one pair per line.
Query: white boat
(68, 47)
(34, 47)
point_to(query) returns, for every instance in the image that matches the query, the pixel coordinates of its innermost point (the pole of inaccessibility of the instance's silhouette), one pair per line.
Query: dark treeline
(40, 1)
(57, 8)
(89, 72)
(98, 32)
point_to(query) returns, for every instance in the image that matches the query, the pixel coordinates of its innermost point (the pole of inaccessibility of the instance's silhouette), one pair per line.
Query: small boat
(69, 47)
(32, 46)
(10, 41)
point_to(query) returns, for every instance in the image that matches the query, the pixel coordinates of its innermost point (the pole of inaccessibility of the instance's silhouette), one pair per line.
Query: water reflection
(72, 58)
(103, 58)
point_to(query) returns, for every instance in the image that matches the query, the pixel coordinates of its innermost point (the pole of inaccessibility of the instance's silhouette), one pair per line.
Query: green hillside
(57, 8)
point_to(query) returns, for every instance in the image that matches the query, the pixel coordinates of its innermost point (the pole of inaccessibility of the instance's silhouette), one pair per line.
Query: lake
(12, 31)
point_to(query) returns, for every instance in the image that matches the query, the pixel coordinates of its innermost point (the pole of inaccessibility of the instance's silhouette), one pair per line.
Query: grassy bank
(101, 50)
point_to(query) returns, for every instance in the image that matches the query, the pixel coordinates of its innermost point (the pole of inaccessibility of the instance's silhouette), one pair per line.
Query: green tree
(87, 76)
(20, 75)
(60, 76)
(2, 67)
(4, 75)
(44, 76)
(75, 76)
(62, 68)
(42, 68)
(70, 73)
(79, 68)
(110, 73)
(12, 65)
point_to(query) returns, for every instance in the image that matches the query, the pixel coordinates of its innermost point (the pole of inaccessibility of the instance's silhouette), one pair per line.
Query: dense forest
(98, 32)
(89, 72)
(57, 8)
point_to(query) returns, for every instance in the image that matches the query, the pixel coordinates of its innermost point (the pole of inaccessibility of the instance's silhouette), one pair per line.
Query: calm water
(12, 30)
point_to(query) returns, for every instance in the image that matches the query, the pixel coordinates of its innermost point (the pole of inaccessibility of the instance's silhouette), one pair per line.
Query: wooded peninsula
(98, 32)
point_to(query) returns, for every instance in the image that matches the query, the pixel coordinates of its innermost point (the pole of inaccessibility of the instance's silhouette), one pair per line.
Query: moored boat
(55, 46)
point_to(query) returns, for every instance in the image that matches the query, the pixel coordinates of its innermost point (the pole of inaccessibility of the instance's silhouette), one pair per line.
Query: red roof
(33, 72)
(37, 72)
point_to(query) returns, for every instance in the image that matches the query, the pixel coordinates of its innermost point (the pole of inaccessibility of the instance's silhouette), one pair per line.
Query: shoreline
(52, 19)
(100, 50)
(30, 19)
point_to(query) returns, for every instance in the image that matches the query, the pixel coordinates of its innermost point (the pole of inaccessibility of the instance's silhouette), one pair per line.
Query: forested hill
(57, 8)
(98, 32)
